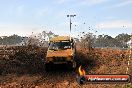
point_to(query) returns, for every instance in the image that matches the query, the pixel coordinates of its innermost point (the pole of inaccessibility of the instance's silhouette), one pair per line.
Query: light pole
(70, 20)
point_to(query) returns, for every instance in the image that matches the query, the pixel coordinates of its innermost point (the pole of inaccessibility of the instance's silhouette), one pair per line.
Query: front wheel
(71, 65)
(48, 66)
(74, 64)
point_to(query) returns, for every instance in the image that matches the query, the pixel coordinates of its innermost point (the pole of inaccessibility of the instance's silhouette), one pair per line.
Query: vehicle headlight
(69, 58)
(49, 58)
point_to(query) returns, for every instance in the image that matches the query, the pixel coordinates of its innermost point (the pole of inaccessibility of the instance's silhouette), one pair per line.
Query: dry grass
(26, 70)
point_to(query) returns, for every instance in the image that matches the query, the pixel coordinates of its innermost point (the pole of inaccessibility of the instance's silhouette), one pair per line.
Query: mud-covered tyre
(48, 67)
(71, 65)
(74, 64)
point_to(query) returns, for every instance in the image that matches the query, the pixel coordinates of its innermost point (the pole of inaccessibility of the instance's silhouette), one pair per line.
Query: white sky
(23, 17)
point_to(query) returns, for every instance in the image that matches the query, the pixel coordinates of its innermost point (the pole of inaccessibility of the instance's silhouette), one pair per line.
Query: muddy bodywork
(61, 50)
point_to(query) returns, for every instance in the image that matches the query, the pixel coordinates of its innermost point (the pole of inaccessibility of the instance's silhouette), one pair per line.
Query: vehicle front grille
(59, 59)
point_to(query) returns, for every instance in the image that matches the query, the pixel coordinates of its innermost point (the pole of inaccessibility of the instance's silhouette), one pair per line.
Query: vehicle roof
(60, 38)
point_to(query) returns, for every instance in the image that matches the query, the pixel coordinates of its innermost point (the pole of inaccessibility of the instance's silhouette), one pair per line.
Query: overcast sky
(23, 17)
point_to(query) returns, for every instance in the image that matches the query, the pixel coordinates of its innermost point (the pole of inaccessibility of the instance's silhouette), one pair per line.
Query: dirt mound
(26, 60)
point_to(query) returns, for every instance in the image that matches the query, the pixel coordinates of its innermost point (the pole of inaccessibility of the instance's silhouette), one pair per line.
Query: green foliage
(88, 40)
(10, 40)
(15, 39)
(119, 41)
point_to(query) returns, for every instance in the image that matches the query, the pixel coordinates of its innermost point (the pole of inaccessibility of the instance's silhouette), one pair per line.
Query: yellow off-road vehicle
(61, 50)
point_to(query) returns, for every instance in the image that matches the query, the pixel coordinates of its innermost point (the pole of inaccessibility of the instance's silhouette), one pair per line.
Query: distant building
(129, 43)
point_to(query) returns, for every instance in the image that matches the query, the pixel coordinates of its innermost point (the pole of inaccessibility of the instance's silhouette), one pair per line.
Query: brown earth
(25, 68)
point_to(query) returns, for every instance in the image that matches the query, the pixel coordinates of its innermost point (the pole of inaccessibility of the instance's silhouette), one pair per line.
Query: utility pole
(70, 21)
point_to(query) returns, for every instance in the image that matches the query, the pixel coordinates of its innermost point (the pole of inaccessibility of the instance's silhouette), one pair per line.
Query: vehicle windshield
(59, 45)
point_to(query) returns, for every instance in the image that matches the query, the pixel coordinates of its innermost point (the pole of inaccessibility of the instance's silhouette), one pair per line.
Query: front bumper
(59, 60)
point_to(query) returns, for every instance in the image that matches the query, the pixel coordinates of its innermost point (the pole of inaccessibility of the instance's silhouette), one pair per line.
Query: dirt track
(34, 76)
